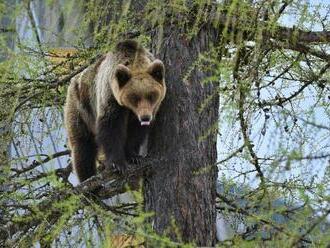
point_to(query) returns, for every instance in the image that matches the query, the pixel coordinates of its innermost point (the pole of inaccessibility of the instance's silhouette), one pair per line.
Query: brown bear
(110, 107)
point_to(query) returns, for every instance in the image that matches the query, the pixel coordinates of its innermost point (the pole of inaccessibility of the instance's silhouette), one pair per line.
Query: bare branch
(282, 100)
(38, 163)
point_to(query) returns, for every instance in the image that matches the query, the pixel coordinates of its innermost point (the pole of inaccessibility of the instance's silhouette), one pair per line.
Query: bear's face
(142, 91)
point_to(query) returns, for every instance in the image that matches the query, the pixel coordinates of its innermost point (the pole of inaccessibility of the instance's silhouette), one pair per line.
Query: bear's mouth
(145, 123)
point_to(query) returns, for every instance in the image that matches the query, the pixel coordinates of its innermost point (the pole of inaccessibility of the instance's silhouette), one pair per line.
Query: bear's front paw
(136, 160)
(119, 166)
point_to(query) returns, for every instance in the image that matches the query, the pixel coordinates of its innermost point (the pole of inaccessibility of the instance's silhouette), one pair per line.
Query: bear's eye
(134, 99)
(152, 97)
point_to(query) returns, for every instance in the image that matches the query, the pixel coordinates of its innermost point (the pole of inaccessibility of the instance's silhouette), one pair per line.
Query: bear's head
(141, 85)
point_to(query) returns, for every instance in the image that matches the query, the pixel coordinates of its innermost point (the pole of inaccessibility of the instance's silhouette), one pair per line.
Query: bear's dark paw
(135, 160)
(120, 166)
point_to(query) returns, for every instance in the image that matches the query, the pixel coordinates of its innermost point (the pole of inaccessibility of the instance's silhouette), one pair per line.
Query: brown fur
(108, 102)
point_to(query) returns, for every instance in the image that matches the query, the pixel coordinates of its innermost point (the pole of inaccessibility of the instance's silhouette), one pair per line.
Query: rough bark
(182, 186)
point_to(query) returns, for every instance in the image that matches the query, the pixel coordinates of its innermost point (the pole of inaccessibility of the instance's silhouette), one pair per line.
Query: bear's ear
(127, 46)
(123, 75)
(157, 70)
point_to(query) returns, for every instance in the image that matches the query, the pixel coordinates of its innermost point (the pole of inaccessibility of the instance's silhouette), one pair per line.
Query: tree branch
(38, 163)
(318, 221)
(104, 185)
(291, 34)
(257, 218)
(279, 101)
(298, 46)
(294, 35)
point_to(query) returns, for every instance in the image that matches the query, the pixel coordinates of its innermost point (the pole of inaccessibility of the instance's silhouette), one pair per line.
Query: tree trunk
(182, 186)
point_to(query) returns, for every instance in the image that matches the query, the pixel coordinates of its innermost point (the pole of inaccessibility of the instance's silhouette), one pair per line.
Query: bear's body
(110, 106)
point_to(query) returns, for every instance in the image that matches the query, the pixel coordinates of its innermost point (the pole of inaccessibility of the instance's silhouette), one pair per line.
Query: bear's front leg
(136, 146)
(111, 137)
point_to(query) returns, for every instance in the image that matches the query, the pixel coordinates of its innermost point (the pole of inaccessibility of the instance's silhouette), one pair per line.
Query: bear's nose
(145, 120)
